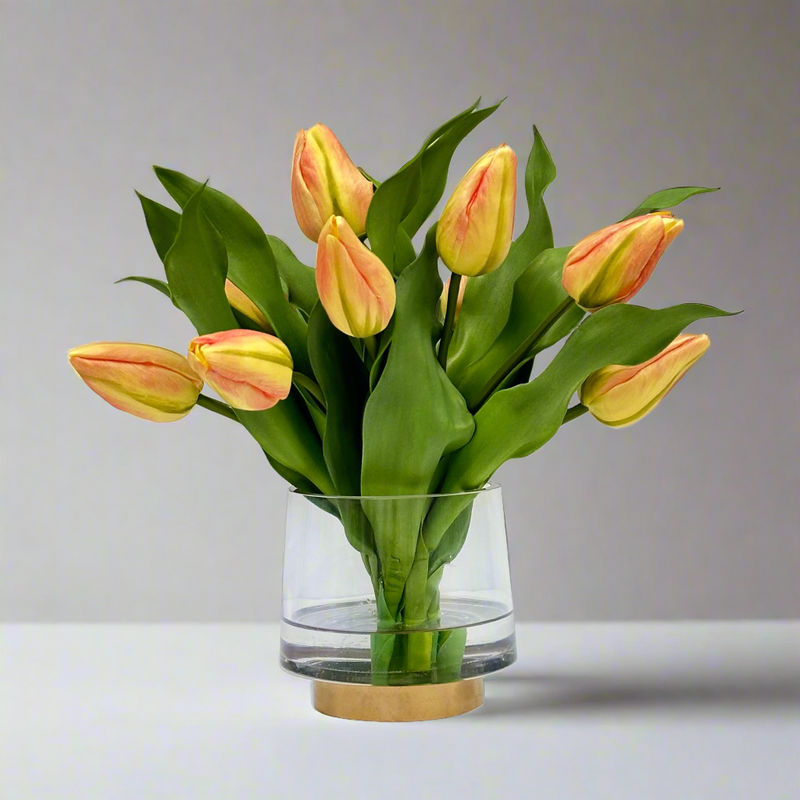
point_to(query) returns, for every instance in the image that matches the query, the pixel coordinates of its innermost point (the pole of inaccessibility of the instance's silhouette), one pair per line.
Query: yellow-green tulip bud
(326, 182)
(147, 381)
(355, 288)
(250, 370)
(612, 264)
(475, 230)
(240, 302)
(619, 396)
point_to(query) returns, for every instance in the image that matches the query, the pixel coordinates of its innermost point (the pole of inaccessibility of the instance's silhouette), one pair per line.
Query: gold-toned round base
(397, 703)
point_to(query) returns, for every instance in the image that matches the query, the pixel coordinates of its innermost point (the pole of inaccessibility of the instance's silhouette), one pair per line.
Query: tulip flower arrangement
(363, 377)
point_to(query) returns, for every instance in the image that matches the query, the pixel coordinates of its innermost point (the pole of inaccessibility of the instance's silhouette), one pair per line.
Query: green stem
(576, 411)
(372, 349)
(449, 319)
(217, 407)
(306, 383)
(522, 351)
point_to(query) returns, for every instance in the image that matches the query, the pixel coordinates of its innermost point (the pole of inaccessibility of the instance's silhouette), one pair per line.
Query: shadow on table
(527, 693)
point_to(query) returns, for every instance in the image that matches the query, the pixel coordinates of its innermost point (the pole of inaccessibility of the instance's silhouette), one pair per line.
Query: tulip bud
(619, 396)
(459, 300)
(474, 232)
(355, 288)
(147, 381)
(249, 370)
(240, 302)
(326, 182)
(612, 264)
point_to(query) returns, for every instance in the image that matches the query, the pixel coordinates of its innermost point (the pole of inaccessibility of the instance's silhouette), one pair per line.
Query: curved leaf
(516, 422)
(162, 224)
(413, 418)
(251, 262)
(667, 198)
(299, 278)
(536, 293)
(415, 189)
(435, 164)
(343, 379)
(154, 282)
(487, 298)
(196, 267)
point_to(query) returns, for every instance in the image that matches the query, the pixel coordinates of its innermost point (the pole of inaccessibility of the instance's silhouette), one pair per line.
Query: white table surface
(640, 711)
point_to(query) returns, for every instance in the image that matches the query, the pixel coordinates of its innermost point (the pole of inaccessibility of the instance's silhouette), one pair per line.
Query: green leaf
(196, 266)
(435, 164)
(154, 282)
(516, 422)
(379, 364)
(317, 415)
(162, 223)
(251, 262)
(413, 418)
(487, 298)
(412, 192)
(299, 278)
(343, 379)
(667, 199)
(536, 294)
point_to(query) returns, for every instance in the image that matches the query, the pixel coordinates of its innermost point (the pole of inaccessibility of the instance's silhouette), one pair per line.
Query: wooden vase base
(397, 703)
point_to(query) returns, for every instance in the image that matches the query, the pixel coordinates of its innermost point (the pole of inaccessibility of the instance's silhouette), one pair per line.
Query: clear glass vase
(396, 591)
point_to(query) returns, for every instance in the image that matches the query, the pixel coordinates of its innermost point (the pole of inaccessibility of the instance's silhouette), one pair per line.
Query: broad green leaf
(516, 422)
(196, 266)
(299, 279)
(411, 194)
(162, 224)
(536, 293)
(413, 418)
(154, 282)
(251, 262)
(487, 298)
(343, 379)
(667, 199)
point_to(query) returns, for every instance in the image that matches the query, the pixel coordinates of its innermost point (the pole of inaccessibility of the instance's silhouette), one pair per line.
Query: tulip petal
(613, 264)
(147, 381)
(355, 287)
(474, 233)
(325, 182)
(619, 395)
(250, 370)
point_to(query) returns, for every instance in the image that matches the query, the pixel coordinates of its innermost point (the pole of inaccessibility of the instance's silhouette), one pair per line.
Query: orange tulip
(355, 288)
(147, 381)
(618, 396)
(475, 230)
(611, 265)
(326, 182)
(250, 370)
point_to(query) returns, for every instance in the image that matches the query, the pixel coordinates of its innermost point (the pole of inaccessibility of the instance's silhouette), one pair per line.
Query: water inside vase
(334, 641)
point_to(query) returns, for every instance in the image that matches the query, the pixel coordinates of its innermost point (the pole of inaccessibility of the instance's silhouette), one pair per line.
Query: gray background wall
(693, 513)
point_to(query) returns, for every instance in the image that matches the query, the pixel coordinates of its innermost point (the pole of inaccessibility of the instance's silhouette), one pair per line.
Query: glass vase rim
(489, 486)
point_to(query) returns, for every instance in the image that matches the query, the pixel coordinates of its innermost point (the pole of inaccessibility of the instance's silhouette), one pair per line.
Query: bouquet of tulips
(364, 377)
